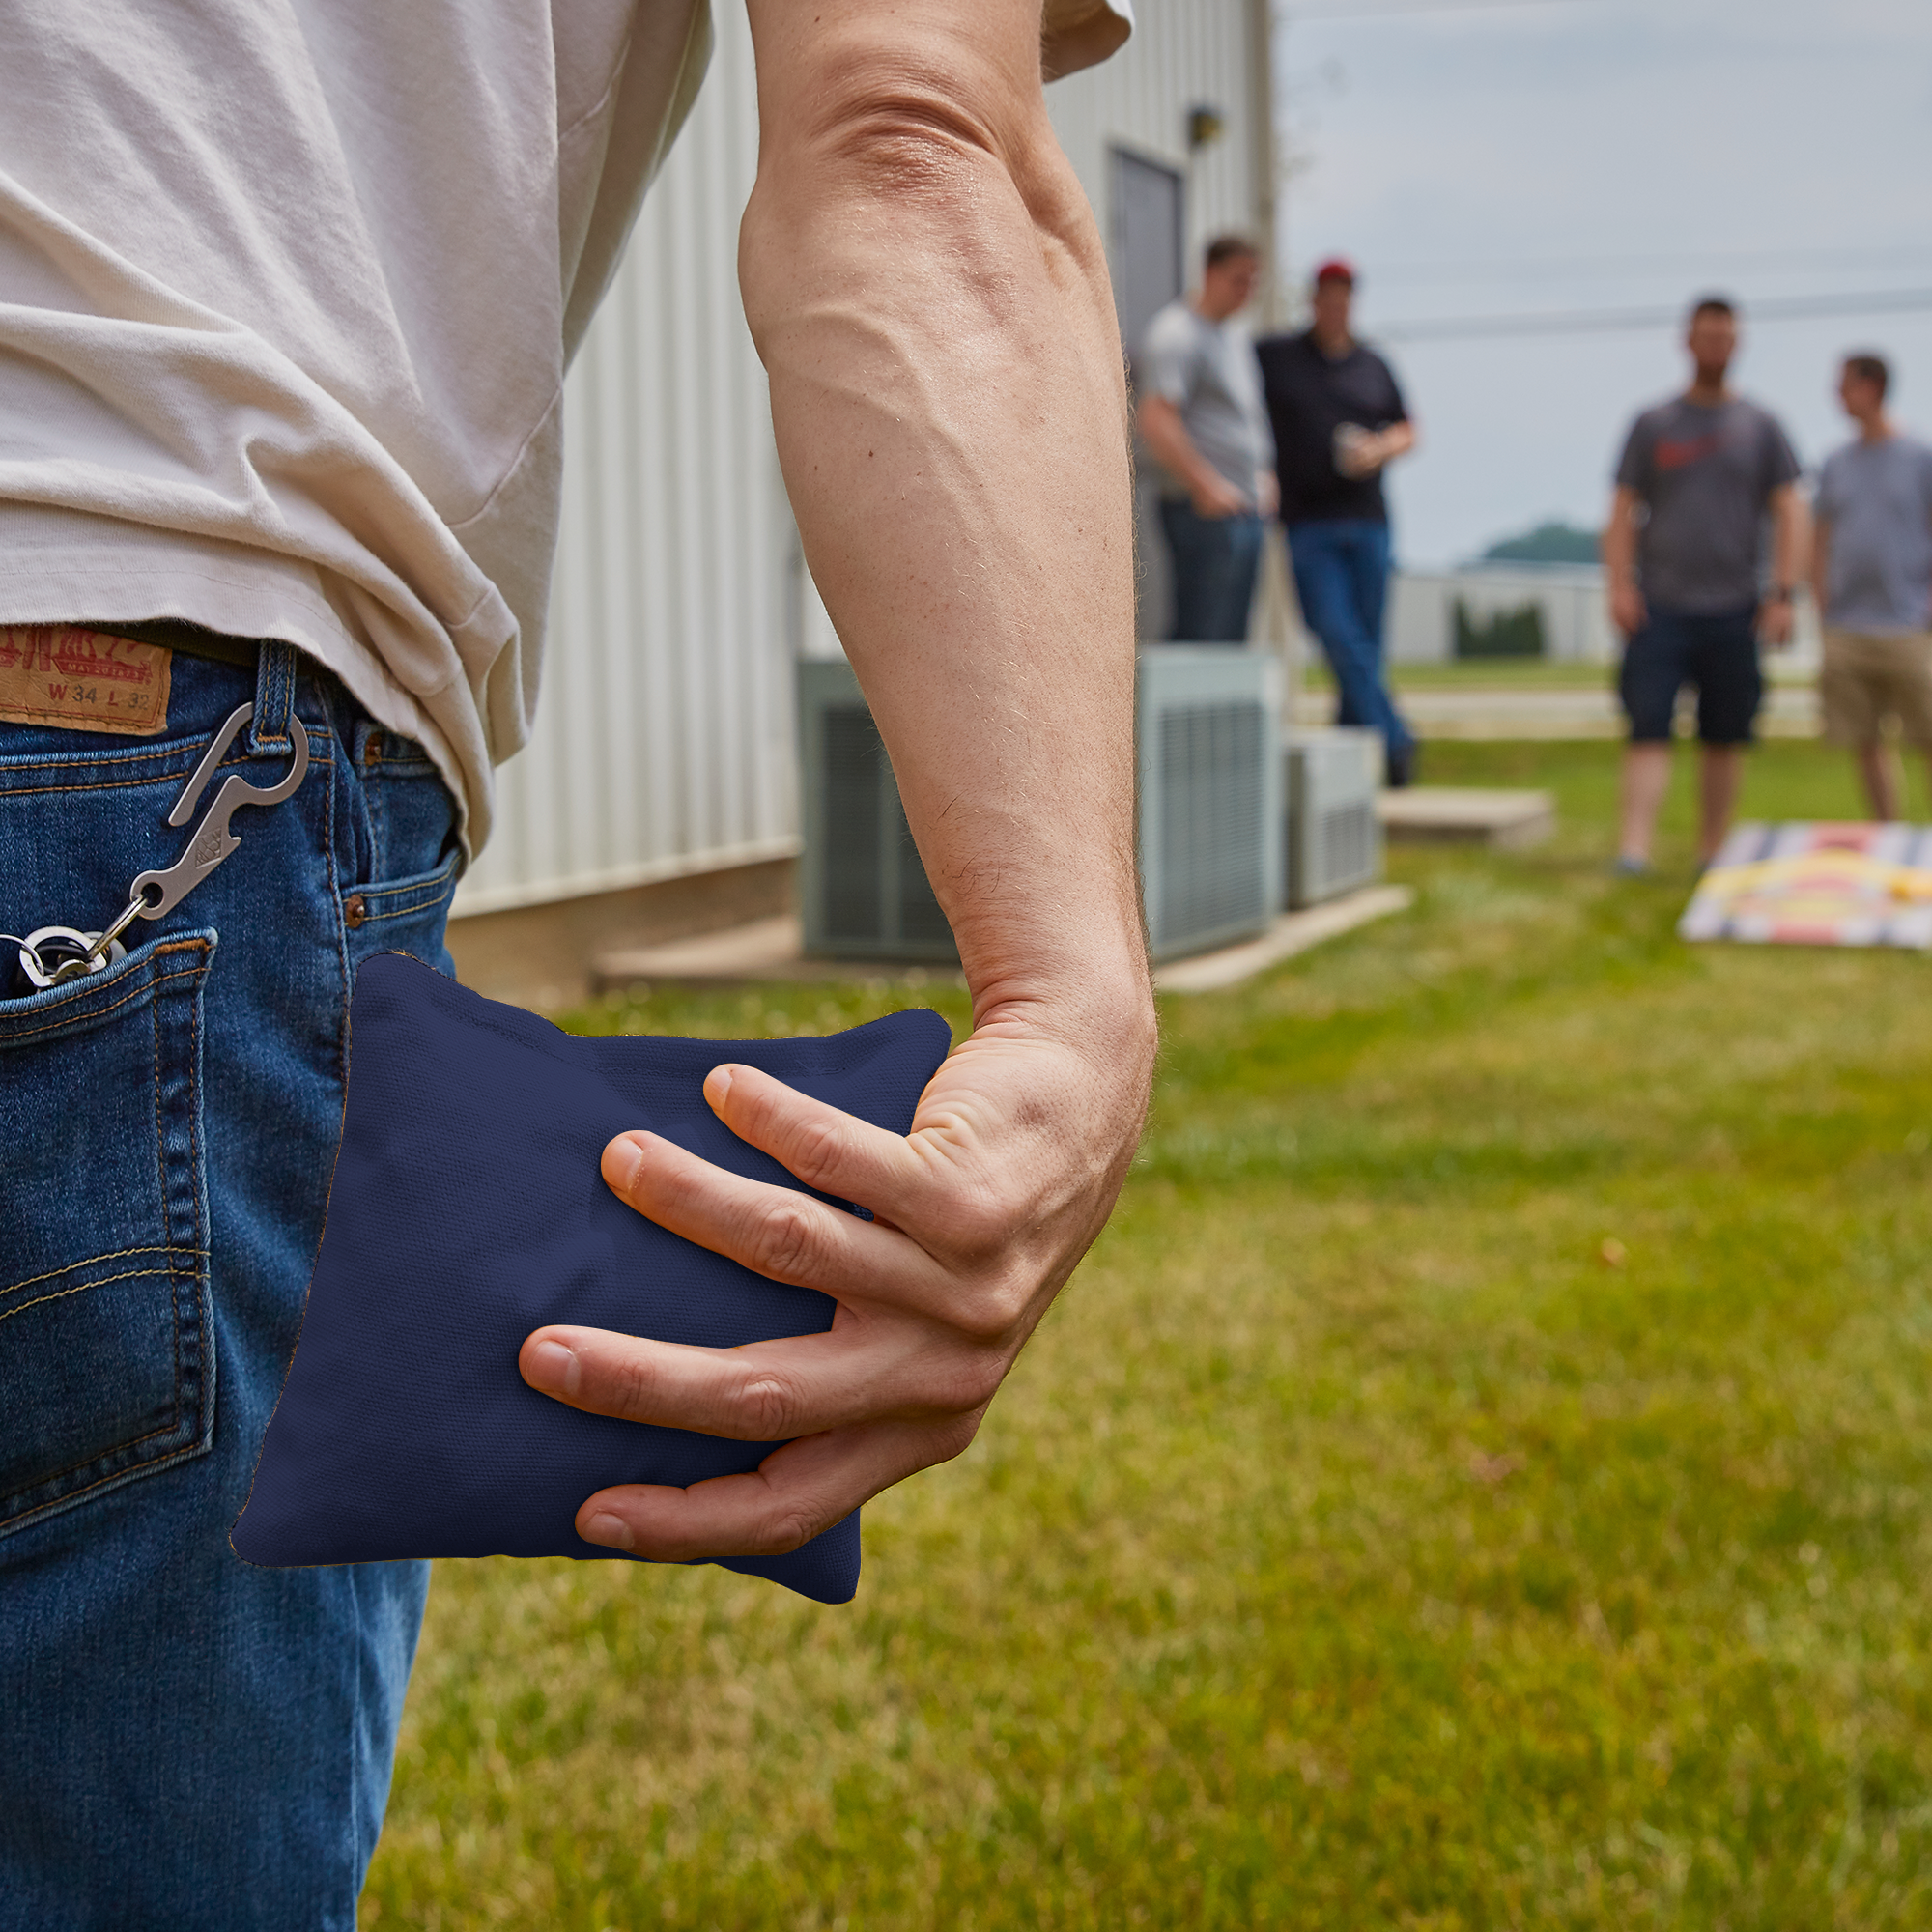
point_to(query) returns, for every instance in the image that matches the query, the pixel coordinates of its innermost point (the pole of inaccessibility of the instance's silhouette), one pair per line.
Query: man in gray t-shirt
(1201, 415)
(1700, 475)
(1871, 570)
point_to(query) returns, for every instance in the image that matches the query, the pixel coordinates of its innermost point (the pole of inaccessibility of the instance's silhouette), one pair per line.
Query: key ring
(154, 893)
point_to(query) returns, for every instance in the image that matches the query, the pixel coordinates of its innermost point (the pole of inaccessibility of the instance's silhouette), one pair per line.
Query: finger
(767, 1391)
(797, 1493)
(827, 1149)
(776, 1231)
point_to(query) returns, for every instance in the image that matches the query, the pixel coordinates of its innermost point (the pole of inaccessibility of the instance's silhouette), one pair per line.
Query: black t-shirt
(1309, 396)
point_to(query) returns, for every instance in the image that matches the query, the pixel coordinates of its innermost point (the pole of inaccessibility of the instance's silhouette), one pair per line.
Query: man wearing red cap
(1338, 417)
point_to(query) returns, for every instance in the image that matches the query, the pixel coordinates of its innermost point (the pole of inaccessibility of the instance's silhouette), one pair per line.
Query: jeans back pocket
(107, 1342)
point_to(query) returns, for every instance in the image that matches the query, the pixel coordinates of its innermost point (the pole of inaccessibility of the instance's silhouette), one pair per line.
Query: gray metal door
(1150, 233)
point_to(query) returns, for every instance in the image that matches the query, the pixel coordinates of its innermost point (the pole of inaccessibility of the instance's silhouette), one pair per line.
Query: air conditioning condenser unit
(864, 893)
(1209, 778)
(1334, 839)
(1210, 805)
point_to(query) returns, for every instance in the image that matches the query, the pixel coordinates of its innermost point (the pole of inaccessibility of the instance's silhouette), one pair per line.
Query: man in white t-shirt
(1201, 415)
(1871, 572)
(286, 298)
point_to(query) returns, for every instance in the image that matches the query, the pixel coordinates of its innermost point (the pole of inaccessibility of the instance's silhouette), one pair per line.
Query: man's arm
(929, 292)
(1821, 563)
(1380, 448)
(1619, 552)
(1166, 435)
(1788, 563)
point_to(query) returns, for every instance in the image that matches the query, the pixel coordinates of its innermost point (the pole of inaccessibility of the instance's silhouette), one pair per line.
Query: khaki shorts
(1868, 678)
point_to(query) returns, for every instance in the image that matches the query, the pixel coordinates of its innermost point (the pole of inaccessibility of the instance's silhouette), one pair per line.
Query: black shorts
(1717, 651)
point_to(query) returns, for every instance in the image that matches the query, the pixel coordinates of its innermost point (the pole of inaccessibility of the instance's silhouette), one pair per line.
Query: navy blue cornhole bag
(468, 1210)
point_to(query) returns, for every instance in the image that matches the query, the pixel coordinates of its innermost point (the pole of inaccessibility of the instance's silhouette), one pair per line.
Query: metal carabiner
(212, 840)
(58, 954)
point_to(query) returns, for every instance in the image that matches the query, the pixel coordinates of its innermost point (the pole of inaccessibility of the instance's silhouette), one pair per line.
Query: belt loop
(275, 673)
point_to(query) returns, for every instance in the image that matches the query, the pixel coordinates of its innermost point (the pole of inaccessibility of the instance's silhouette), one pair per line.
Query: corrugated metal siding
(1184, 53)
(664, 737)
(663, 742)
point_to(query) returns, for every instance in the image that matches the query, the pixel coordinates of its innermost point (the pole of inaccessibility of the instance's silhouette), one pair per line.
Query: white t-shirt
(287, 291)
(1209, 372)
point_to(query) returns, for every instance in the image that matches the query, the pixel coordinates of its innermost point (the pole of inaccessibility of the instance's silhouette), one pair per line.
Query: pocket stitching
(145, 990)
(434, 884)
(120, 783)
(408, 911)
(167, 1214)
(81, 1288)
(113, 1475)
(112, 1255)
(132, 1465)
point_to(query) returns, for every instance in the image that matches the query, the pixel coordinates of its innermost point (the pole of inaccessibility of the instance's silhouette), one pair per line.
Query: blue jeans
(189, 1741)
(1215, 562)
(1340, 578)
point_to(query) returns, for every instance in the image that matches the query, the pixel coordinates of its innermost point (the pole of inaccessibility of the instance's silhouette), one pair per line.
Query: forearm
(1397, 439)
(929, 295)
(1619, 541)
(1787, 551)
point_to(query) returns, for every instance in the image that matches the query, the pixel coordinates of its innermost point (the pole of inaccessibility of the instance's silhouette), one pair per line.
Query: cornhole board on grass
(1817, 885)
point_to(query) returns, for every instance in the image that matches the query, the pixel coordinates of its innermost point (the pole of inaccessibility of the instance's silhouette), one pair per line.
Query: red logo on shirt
(1672, 454)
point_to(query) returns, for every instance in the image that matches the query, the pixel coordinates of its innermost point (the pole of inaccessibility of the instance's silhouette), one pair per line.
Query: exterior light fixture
(1205, 125)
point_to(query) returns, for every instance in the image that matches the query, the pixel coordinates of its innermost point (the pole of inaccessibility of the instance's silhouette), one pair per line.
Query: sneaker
(1627, 866)
(1398, 767)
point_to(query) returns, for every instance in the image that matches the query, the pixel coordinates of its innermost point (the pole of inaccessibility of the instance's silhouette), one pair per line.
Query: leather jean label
(82, 680)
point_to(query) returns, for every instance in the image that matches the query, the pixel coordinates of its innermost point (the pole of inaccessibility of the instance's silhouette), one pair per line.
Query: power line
(1381, 9)
(1701, 258)
(1580, 321)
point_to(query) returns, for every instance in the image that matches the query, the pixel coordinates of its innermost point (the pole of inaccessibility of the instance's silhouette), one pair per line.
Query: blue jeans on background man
(1215, 562)
(1340, 578)
(189, 1741)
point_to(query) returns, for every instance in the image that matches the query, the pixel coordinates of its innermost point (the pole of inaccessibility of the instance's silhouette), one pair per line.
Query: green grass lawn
(1478, 675)
(1522, 674)
(1479, 1480)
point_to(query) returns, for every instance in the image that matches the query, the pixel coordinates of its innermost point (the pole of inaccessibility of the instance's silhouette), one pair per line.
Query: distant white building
(658, 793)
(1567, 596)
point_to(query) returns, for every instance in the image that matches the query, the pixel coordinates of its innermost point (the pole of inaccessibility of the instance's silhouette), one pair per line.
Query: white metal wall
(1183, 54)
(1575, 622)
(663, 742)
(664, 736)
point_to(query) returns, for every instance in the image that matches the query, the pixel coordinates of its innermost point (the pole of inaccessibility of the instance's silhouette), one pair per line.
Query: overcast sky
(1579, 154)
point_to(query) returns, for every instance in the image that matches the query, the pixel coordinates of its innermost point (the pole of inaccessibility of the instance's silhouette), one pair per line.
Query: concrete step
(1489, 711)
(1291, 933)
(1466, 814)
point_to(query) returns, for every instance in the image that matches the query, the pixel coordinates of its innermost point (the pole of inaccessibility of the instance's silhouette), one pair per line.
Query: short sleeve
(1263, 416)
(1925, 478)
(1074, 34)
(1634, 470)
(1165, 365)
(1781, 460)
(1826, 505)
(1397, 407)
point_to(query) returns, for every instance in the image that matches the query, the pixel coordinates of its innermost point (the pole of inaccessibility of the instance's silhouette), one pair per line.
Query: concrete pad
(764, 948)
(1291, 933)
(1466, 814)
(770, 949)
